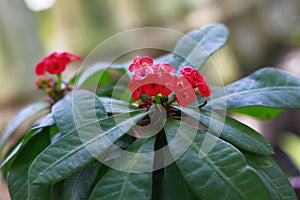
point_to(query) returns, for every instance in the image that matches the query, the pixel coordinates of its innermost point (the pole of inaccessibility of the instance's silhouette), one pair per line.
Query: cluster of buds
(159, 80)
(50, 66)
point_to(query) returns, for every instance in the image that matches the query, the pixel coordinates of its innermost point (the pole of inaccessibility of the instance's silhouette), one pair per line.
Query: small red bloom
(38, 83)
(139, 62)
(49, 81)
(196, 80)
(55, 63)
(40, 69)
(204, 90)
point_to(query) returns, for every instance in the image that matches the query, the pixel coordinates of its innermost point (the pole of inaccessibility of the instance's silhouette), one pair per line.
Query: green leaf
(174, 185)
(231, 130)
(56, 191)
(97, 79)
(18, 183)
(63, 111)
(57, 162)
(258, 112)
(268, 87)
(97, 68)
(41, 128)
(80, 185)
(275, 180)
(6, 164)
(221, 173)
(112, 89)
(22, 116)
(61, 159)
(124, 185)
(195, 48)
(116, 106)
(63, 114)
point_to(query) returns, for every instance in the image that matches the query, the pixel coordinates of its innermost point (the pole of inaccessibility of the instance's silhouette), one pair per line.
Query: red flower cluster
(196, 80)
(153, 79)
(55, 63)
(148, 78)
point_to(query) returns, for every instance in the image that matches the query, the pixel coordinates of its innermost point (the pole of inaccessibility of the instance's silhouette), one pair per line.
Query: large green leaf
(18, 174)
(64, 110)
(125, 185)
(63, 115)
(231, 130)
(194, 48)
(221, 173)
(6, 164)
(80, 185)
(268, 87)
(23, 115)
(174, 185)
(71, 152)
(275, 180)
(41, 128)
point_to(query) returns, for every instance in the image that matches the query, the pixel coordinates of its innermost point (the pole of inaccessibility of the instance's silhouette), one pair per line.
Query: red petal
(70, 56)
(40, 68)
(184, 92)
(151, 89)
(146, 61)
(136, 95)
(204, 90)
(165, 91)
(131, 67)
(167, 68)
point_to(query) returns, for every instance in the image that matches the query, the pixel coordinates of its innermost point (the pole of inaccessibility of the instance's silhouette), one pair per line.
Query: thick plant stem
(158, 172)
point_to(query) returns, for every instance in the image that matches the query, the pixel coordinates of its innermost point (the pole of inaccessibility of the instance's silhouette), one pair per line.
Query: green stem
(157, 99)
(58, 87)
(172, 99)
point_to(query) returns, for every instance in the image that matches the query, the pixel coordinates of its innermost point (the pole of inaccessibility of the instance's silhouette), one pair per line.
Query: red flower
(184, 92)
(204, 90)
(40, 69)
(153, 79)
(54, 63)
(139, 62)
(150, 79)
(196, 80)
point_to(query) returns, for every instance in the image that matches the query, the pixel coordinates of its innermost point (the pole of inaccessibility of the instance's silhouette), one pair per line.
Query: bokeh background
(262, 33)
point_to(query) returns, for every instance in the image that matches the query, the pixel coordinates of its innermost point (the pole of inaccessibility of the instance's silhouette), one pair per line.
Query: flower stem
(172, 99)
(58, 87)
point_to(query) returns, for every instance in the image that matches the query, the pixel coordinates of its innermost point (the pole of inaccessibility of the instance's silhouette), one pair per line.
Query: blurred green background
(262, 33)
